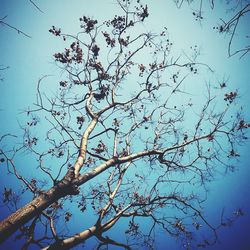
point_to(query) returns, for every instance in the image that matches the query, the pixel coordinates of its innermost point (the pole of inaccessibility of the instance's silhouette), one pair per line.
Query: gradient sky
(30, 58)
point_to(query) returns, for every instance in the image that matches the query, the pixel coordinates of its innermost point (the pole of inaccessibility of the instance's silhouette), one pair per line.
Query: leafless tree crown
(121, 141)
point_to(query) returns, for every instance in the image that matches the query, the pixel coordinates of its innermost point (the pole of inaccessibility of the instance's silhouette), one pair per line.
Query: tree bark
(34, 208)
(69, 185)
(72, 241)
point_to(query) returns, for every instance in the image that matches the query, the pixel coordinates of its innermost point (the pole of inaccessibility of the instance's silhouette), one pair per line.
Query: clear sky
(31, 58)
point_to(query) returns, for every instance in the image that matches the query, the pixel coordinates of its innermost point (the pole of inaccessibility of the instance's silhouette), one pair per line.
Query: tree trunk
(14, 221)
(69, 185)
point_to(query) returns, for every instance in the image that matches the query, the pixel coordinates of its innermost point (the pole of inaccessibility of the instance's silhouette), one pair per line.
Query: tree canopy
(123, 139)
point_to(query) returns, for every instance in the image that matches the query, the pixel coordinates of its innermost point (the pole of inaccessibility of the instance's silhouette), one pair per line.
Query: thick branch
(72, 241)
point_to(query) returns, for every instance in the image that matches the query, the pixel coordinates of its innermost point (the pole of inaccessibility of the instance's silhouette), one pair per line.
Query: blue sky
(31, 58)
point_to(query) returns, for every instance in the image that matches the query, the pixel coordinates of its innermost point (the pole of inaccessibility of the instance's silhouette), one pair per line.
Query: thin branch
(12, 27)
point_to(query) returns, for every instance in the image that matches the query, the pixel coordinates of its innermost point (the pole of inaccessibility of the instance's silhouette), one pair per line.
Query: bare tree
(119, 146)
(239, 12)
